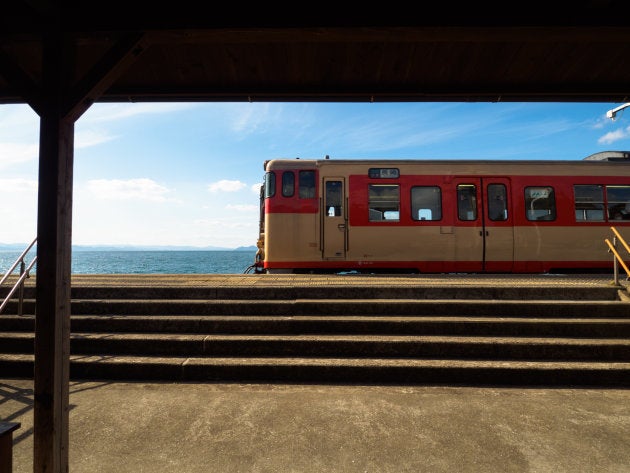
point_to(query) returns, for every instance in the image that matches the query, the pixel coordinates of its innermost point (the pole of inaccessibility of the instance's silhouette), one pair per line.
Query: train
(441, 216)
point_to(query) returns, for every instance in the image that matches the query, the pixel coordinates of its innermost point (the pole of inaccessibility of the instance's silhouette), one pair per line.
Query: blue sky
(188, 173)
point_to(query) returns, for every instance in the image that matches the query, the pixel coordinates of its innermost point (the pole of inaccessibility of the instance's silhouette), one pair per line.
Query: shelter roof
(475, 51)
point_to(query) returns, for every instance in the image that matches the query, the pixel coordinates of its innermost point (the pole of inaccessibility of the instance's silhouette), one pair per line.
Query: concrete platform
(211, 427)
(225, 428)
(453, 279)
(481, 280)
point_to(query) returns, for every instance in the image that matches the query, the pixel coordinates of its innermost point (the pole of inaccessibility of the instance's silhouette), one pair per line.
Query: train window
(333, 198)
(307, 184)
(426, 203)
(540, 203)
(497, 202)
(384, 202)
(618, 198)
(467, 202)
(270, 184)
(589, 203)
(288, 184)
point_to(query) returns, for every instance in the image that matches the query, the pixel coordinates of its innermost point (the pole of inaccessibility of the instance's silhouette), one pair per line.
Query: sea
(147, 262)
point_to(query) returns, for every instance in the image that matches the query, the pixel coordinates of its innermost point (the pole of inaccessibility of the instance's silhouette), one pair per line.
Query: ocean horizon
(147, 261)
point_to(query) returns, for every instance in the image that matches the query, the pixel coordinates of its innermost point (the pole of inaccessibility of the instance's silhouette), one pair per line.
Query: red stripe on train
(443, 266)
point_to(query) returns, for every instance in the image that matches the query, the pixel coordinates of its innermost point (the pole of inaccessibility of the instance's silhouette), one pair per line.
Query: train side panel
(442, 216)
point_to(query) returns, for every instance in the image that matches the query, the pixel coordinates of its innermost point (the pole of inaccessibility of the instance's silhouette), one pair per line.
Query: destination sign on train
(383, 173)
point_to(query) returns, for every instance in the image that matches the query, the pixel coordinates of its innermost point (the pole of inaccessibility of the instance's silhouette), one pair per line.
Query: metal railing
(24, 274)
(618, 260)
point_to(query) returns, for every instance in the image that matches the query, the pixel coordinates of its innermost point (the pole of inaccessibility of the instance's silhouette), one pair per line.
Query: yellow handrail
(618, 258)
(623, 242)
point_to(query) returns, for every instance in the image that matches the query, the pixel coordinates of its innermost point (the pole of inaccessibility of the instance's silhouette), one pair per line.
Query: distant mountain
(149, 248)
(22, 246)
(246, 248)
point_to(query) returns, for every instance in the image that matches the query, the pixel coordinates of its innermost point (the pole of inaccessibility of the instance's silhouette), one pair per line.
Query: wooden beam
(20, 81)
(104, 73)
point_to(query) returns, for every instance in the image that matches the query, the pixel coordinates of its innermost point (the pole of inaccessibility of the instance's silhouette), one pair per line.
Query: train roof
(600, 157)
(609, 156)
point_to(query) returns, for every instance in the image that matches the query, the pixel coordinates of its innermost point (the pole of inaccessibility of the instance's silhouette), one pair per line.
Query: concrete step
(611, 327)
(399, 307)
(446, 347)
(266, 287)
(374, 291)
(338, 370)
(478, 331)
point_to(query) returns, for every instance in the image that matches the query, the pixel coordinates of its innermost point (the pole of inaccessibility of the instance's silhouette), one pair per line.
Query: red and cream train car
(442, 216)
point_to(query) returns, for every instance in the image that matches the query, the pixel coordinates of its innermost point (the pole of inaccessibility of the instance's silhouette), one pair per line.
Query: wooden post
(54, 235)
(61, 102)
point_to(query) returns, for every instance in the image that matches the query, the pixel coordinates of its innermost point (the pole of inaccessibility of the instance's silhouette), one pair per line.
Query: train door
(468, 225)
(334, 219)
(484, 225)
(498, 225)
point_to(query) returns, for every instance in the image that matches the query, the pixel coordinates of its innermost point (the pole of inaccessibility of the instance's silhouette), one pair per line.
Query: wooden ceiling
(577, 52)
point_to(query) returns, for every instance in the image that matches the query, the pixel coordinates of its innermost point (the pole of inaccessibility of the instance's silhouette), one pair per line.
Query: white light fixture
(612, 114)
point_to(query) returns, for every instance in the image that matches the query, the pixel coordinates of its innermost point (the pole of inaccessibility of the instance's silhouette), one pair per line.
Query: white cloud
(113, 112)
(18, 212)
(229, 222)
(229, 231)
(23, 218)
(613, 136)
(226, 186)
(136, 189)
(19, 135)
(15, 185)
(87, 135)
(226, 224)
(241, 208)
(14, 153)
(18, 122)
(85, 139)
(601, 122)
(249, 118)
(256, 188)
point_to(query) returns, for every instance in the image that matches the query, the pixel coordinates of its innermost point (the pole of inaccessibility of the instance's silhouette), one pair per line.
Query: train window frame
(384, 203)
(306, 184)
(269, 182)
(333, 198)
(426, 207)
(618, 202)
(588, 202)
(467, 202)
(497, 202)
(288, 184)
(534, 196)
